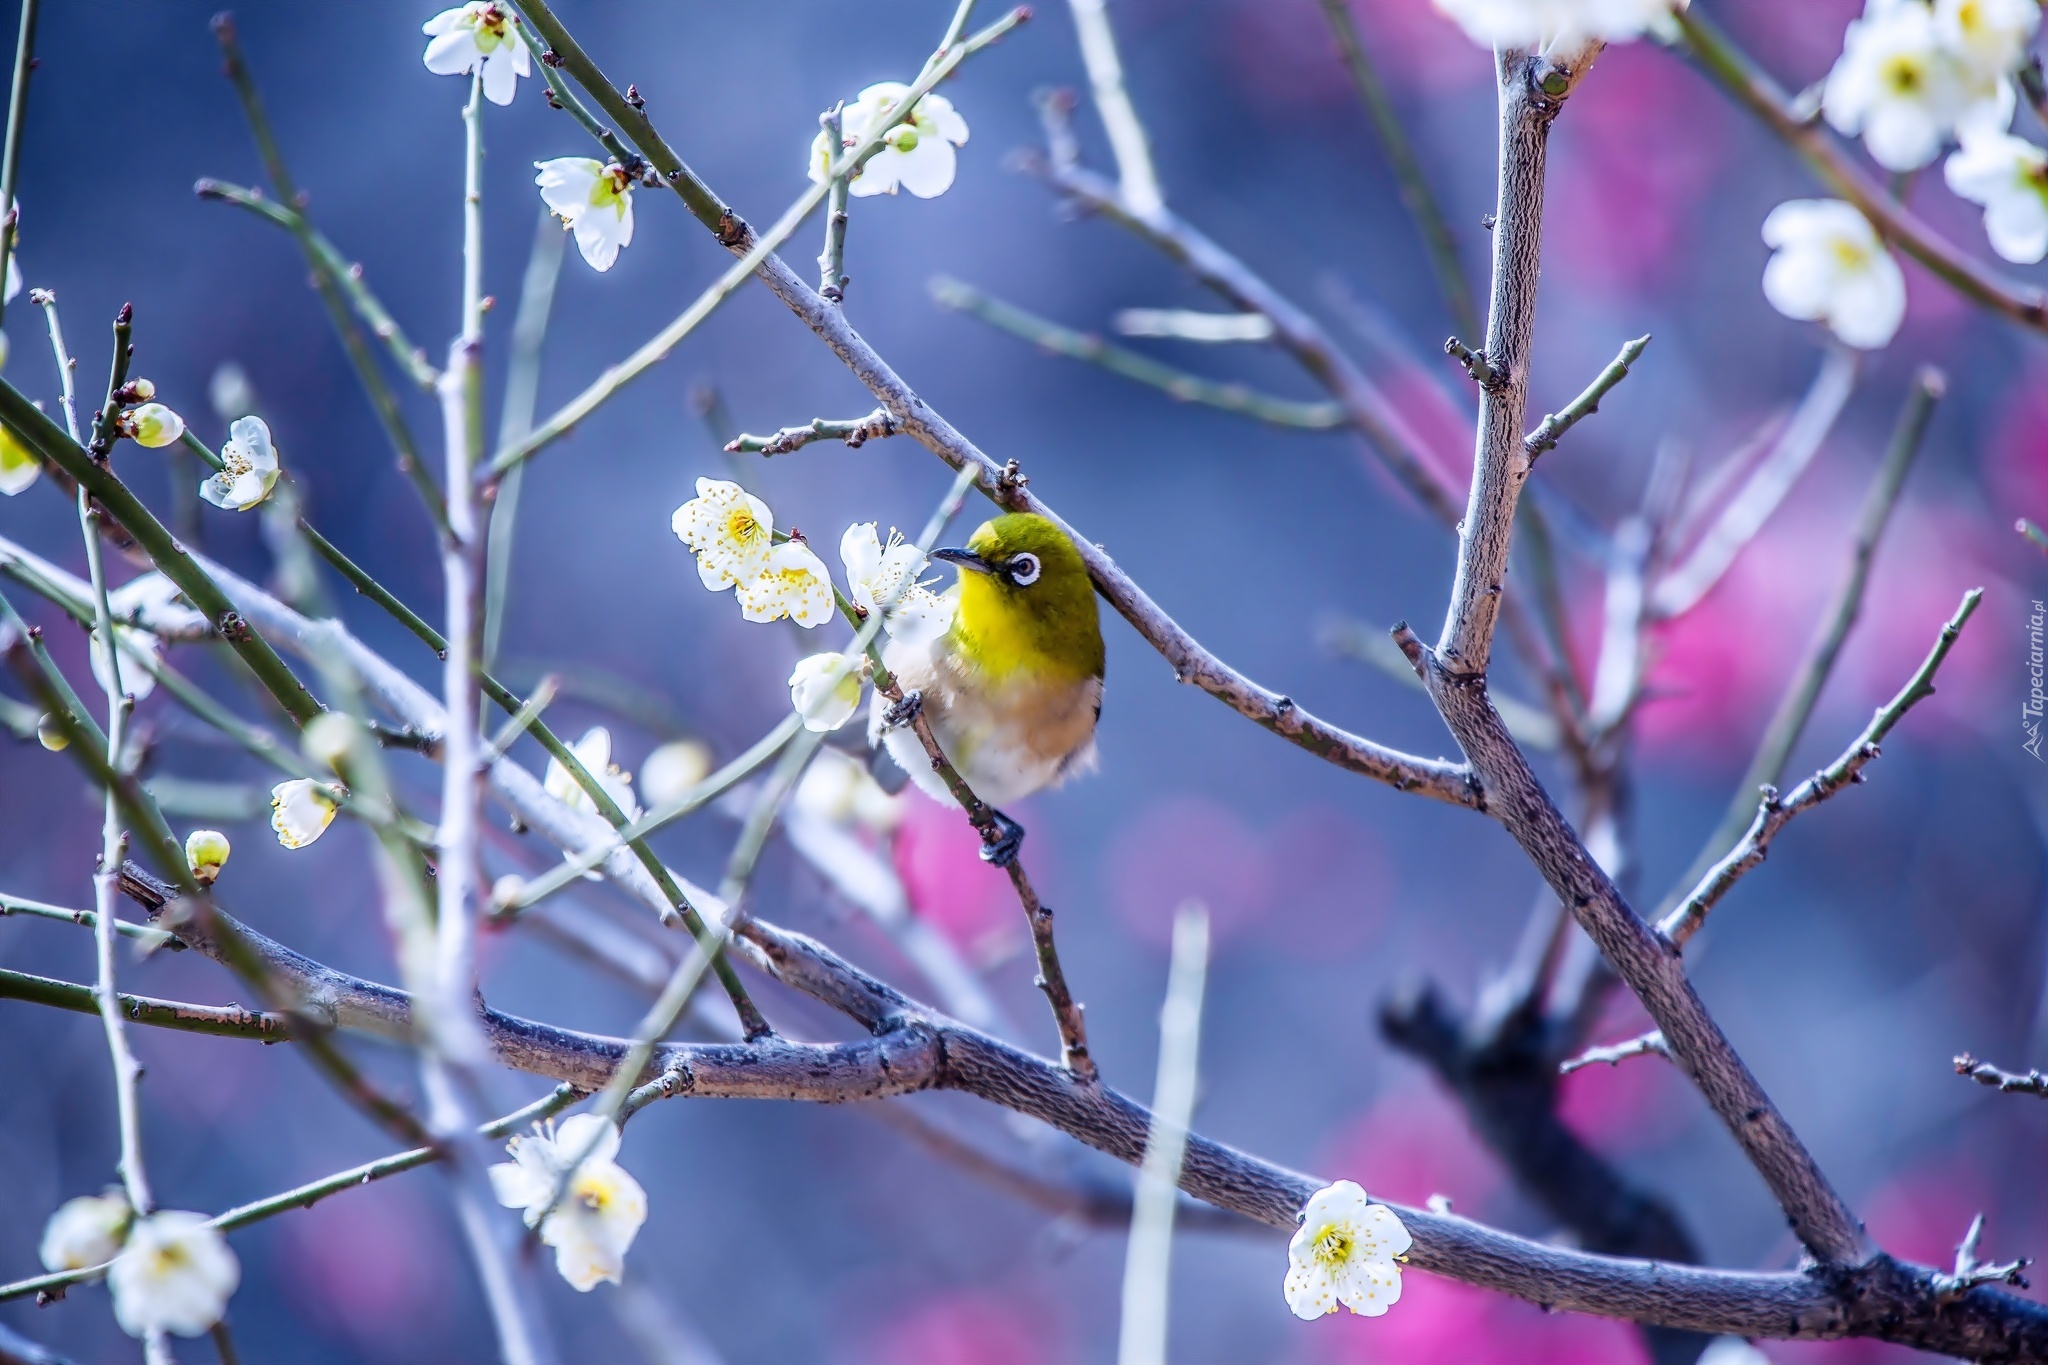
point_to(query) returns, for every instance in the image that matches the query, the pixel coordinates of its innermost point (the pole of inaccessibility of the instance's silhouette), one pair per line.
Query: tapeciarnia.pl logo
(2037, 699)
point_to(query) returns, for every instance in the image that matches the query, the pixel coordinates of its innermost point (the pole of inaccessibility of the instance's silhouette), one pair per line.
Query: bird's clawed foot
(905, 711)
(1003, 851)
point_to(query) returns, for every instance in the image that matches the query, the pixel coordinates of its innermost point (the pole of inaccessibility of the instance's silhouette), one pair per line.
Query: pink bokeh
(938, 856)
(1445, 1321)
(971, 1327)
(1317, 879)
(1644, 144)
(372, 1265)
(2017, 457)
(1413, 1143)
(1640, 1103)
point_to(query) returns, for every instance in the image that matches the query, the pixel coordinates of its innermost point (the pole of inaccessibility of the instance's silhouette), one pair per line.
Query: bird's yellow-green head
(1026, 604)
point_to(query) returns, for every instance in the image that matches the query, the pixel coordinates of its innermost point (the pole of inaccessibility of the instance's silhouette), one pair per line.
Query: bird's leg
(905, 711)
(1003, 851)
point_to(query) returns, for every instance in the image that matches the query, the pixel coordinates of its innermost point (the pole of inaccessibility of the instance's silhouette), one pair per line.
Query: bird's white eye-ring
(1024, 570)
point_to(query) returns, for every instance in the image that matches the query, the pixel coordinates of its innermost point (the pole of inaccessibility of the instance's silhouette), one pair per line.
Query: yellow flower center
(1903, 74)
(1850, 255)
(166, 1259)
(490, 28)
(593, 1193)
(741, 528)
(1333, 1245)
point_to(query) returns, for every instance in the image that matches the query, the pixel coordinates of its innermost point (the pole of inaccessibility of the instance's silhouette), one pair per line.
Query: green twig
(346, 274)
(1416, 196)
(1555, 425)
(1286, 412)
(326, 282)
(307, 1195)
(515, 419)
(832, 261)
(35, 430)
(106, 422)
(17, 123)
(150, 938)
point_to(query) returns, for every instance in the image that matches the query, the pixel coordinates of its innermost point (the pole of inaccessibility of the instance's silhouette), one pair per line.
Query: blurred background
(1896, 926)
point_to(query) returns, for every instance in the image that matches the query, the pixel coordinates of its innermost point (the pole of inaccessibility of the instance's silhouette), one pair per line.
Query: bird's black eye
(1024, 570)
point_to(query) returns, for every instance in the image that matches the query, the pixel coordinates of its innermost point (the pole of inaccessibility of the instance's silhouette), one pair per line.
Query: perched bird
(1013, 688)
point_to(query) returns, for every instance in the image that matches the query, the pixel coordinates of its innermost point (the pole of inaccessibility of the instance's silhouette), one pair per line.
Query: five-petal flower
(599, 1214)
(1828, 265)
(1900, 86)
(916, 155)
(175, 1274)
(478, 35)
(248, 467)
(594, 200)
(1346, 1251)
(731, 530)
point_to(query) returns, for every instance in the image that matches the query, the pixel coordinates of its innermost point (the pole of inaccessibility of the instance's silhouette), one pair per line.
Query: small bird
(1013, 688)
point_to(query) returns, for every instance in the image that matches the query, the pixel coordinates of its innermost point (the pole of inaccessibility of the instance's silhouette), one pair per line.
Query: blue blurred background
(1893, 928)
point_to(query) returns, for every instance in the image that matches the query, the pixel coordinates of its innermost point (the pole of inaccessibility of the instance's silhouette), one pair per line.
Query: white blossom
(1898, 85)
(794, 583)
(137, 645)
(19, 468)
(731, 530)
(877, 575)
(153, 601)
(839, 790)
(1828, 265)
(825, 689)
(599, 1213)
(2009, 177)
(668, 774)
(174, 1275)
(1346, 1251)
(152, 425)
(1732, 1351)
(206, 852)
(1989, 36)
(85, 1231)
(594, 752)
(476, 35)
(300, 811)
(594, 199)
(916, 155)
(248, 467)
(1565, 23)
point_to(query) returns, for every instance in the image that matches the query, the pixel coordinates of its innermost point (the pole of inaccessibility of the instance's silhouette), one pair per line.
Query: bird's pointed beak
(966, 559)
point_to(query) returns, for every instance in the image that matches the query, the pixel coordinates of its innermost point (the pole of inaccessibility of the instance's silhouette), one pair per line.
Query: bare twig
(17, 125)
(1970, 1272)
(2007, 1082)
(1137, 183)
(1774, 812)
(1803, 694)
(856, 432)
(1643, 1045)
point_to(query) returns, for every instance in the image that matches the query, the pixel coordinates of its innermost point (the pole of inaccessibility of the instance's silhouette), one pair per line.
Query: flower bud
(671, 770)
(506, 891)
(153, 425)
(86, 1231)
(206, 850)
(51, 734)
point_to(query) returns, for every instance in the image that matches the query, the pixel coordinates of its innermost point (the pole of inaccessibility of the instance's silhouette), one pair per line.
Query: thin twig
(1416, 196)
(856, 432)
(1773, 812)
(1137, 182)
(515, 419)
(326, 281)
(1643, 1045)
(1188, 388)
(832, 260)
(1555, 425)
(2007, 1082)
(1148, 1256)
(1788, 723)
(17, 125)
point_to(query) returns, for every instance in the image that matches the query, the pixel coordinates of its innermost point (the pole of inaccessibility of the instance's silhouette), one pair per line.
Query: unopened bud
(506, 891)
(52, 734)
(206, 851)
(152, 425)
